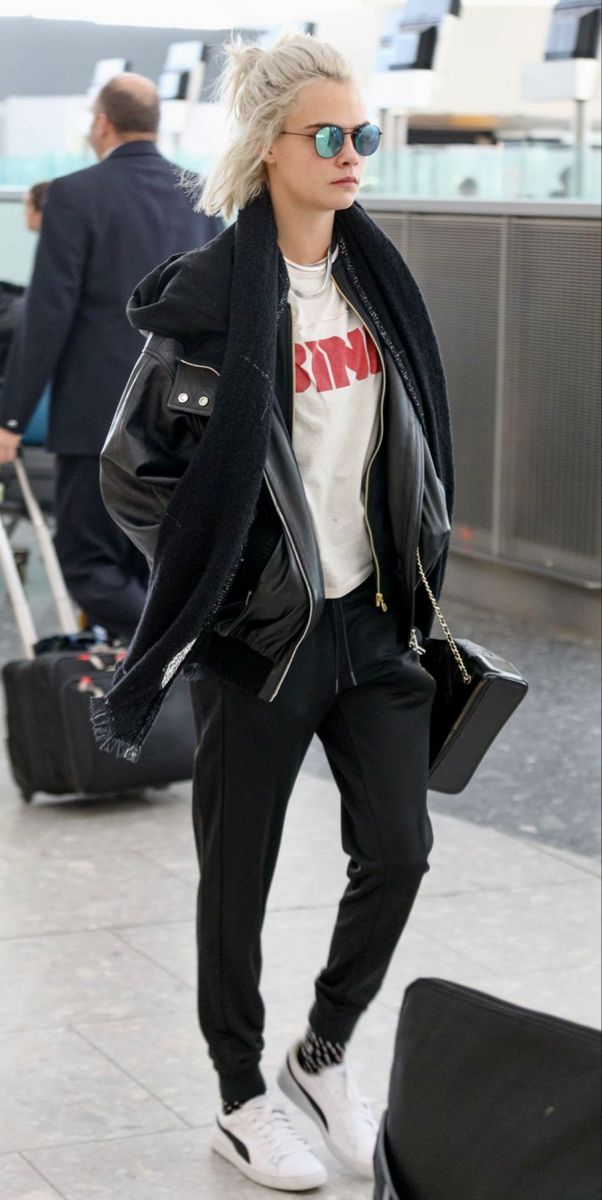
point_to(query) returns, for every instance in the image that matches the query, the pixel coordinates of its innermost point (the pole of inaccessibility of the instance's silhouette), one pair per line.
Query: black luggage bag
(47, 698)
(50, 740)
(489, 1101)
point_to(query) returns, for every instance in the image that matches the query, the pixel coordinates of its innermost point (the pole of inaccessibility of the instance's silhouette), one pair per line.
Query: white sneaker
(332, 1099)
(262, 1142)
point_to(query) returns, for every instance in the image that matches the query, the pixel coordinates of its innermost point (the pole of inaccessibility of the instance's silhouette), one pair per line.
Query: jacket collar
(127, 149)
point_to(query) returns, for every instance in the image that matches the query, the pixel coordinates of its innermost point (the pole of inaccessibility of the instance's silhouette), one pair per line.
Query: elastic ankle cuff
(333, 1027)
(238, 1089)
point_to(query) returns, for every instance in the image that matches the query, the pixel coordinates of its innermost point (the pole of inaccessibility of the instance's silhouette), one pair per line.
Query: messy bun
(259, 88)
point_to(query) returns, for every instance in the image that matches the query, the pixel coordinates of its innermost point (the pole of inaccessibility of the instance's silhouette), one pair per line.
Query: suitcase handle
(16, 591)
(60, 595)
(22, 611)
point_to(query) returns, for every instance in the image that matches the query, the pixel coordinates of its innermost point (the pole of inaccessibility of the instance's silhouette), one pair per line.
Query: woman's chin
(344, 197)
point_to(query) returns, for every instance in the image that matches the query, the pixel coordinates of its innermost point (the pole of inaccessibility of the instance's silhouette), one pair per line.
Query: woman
(280, 454)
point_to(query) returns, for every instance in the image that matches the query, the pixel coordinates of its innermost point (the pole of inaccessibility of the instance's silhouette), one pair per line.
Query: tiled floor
(106, 1092)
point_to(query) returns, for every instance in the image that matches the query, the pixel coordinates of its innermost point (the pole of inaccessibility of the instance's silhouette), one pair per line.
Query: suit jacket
(104, 228)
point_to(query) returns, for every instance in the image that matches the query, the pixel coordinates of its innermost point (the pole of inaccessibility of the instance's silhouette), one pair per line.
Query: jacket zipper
(285, 526)
(380, 599)
(294, 377)
(306, 582)
(200, 366)
(346, 644)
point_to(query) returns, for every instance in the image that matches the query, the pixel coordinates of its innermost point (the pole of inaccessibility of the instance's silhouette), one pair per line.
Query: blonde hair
(259, 88)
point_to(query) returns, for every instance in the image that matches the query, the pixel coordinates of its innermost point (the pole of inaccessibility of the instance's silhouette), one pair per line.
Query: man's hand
(9, 444)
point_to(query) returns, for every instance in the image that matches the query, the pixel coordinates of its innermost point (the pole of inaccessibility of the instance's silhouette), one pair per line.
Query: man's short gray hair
(130, 110)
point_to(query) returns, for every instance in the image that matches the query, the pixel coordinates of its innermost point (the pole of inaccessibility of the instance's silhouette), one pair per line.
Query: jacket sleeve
(50, 307)
(152, 439)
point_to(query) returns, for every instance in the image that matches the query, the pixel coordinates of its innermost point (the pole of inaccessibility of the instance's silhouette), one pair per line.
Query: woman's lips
(349, 181)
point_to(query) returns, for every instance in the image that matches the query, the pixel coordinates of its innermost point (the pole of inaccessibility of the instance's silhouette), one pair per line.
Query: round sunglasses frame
(355, 134)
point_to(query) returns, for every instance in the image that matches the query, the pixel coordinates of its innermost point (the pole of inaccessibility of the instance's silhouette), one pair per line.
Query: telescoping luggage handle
(18, 599)
(21, 608)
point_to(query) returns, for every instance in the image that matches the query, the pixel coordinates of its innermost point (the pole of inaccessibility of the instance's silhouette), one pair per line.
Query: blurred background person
(37, 429)
(563, 190)
(12, 298)
(468, 187)
(34, 206)
(12, 294)
(11, 303)
(103, 228)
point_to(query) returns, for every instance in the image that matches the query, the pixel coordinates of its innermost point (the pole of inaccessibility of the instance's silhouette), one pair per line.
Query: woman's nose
(348, 151)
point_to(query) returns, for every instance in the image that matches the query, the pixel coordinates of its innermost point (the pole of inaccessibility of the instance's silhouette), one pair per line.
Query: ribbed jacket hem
(235, 662)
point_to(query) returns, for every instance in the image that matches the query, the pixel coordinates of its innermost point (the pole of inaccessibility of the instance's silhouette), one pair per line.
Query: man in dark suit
(104, 228)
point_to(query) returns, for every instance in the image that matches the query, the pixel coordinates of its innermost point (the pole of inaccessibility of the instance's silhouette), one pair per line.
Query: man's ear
(104, 125)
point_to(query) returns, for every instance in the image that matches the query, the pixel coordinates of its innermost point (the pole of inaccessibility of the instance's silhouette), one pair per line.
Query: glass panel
(504, 172)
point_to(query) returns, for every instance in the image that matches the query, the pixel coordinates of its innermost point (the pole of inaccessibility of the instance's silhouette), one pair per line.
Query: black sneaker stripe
(308, 1097)
(238, 1145)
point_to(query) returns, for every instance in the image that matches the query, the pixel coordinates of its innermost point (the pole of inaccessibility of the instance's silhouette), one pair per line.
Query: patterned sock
(316, 1054)
(230, 1108)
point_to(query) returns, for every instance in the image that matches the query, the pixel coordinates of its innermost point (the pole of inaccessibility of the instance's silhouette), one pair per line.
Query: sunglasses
(330, 139)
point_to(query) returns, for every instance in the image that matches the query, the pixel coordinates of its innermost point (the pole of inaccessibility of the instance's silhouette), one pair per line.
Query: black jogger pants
(368, 699)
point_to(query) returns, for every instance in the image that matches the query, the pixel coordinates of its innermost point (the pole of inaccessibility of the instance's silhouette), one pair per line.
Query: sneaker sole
(295, 1093)
(222, 1146)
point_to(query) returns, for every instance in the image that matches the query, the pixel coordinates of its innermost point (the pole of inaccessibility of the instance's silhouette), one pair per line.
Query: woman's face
(296, 171)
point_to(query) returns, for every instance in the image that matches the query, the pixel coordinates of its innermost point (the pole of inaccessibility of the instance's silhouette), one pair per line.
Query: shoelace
(275, 1128)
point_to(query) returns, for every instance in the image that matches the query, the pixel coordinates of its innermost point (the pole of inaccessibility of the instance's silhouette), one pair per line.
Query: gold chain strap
(445, 627)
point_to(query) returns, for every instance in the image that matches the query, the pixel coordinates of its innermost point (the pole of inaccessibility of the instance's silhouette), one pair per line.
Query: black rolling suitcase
(489, 1101)
(47, 698)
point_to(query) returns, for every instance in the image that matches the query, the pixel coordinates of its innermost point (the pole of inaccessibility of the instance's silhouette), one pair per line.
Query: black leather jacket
(278, 594)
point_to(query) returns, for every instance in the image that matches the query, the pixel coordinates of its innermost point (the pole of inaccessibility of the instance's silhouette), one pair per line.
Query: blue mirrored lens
(329, 141)
(367, 140)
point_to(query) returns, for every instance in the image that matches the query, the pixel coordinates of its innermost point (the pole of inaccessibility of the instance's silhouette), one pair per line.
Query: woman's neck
(304, 238)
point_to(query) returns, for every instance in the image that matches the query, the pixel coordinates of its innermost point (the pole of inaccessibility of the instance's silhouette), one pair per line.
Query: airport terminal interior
(488, 184)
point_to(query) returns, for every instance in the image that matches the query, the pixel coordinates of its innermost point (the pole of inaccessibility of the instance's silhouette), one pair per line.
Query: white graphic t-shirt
(338, 384)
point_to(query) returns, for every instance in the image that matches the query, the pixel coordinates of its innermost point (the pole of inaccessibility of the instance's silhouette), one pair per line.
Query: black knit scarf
(206, 524)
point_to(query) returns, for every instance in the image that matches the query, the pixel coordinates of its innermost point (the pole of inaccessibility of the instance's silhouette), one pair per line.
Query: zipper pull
(414, 644)
(381, 603)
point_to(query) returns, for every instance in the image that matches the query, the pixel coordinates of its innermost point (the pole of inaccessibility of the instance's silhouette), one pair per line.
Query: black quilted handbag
(477, 692)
